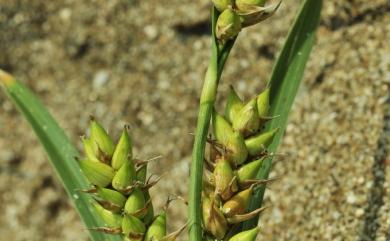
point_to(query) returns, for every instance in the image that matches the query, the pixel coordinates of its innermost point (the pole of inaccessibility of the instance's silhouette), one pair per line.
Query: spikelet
(230, 180)
(158, 228)
(222, 5)
(120, 191)
(233, 143)
(247, 119)
(233, 106)
(97, 173)
(225, 181)
(228, 25)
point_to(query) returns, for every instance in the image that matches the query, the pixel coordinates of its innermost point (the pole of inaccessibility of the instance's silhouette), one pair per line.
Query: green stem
(207, 99)
(206, 105)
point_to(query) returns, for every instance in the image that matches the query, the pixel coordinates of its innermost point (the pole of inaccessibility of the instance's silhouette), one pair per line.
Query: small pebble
(100, 79)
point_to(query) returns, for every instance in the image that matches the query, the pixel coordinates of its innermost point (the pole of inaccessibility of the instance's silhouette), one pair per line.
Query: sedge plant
(109, 188)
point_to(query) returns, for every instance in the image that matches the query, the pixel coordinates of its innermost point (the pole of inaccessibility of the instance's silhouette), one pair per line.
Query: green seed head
(248, 171)
(101, 139)
(135, 203)
(249, 235)
(233, 141)
(221, 5)
(247, 119)
(158, 229)
(228, 25)
(238, 203)
(225, 182)
(112, 196)
(258, 143)
(213, 219)
(110, 218)
(233, 106)
(124, 177)
(123, 150)
(133, 228)
(97, 173)
(263, 103)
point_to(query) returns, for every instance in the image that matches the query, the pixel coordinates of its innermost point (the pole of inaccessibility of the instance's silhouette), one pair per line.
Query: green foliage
(59, 149)
(284, 83)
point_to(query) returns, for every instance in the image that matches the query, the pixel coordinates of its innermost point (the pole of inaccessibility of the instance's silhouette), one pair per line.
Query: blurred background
(142, 62)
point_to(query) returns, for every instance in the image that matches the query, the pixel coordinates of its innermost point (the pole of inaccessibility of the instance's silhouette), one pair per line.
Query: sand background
(142, 62)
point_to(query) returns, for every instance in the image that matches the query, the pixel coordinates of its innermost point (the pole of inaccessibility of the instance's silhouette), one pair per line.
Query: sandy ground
(142, 62)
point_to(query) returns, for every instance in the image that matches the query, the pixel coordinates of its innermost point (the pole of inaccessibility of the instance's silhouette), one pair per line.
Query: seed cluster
(121, 188)
(235, 157)
(237, 14)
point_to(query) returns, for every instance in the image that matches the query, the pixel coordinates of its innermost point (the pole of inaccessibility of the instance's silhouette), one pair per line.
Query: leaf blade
(59, 149)
(284, 83)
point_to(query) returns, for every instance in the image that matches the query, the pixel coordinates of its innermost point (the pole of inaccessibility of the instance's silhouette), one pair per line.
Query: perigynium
(120, 188)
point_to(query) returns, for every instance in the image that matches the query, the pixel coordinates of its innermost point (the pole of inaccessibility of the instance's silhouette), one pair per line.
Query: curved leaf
(59, 149)
(285, 81)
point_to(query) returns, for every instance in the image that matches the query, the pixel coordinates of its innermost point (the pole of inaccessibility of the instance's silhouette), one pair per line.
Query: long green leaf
(59, 149)
(285, 81)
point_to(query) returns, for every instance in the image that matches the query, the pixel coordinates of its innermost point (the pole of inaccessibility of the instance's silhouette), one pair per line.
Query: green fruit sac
(141, 173)
(263, 103)
(135, 203)
(133, 228)
(225, 183)
(233, 105)
(247, 120)
(221, 5)
(89, 149)
(111, 196)
(124, 177)
(157, 229)
(149, 216)
(248, 171)
(249, 235)
(238, 203)
(213, 219)
(101, 139)
(257, 144)
(123, 150)
(232, 141)
(247, 4)
(111, 219)
(228, 25)
(97, 173)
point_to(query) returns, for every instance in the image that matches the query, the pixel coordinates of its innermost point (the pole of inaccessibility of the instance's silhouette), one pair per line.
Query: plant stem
(195, 212)
(206, 105)
(207, 99)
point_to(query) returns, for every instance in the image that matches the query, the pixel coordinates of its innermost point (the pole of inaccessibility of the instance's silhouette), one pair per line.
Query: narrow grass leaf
(59, 149)
(285, 81)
